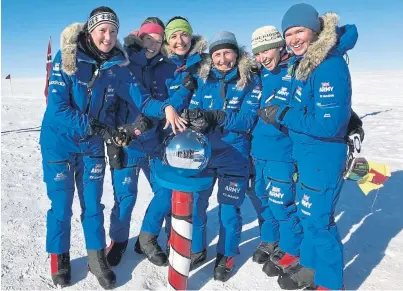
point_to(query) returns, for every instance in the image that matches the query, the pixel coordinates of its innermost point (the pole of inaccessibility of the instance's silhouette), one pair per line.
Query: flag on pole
(8, 77)
(368, 174)
(48, 67)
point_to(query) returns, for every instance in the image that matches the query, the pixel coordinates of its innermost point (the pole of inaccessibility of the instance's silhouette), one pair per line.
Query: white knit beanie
(266, 38)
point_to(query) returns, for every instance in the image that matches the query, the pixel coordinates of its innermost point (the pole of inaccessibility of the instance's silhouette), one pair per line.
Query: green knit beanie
(177, 25)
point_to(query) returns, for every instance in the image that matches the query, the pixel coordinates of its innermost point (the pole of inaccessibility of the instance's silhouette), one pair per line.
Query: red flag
(48, 67)
(8, 77)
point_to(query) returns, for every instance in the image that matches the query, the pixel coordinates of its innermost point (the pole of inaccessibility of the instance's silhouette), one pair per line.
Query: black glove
(108, 134)
(268, 114)
(115, 156)
(189, 82)
(140, 125)
(355, 126)
(204, 121)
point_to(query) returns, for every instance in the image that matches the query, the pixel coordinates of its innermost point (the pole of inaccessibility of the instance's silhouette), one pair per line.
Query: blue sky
(27, 25)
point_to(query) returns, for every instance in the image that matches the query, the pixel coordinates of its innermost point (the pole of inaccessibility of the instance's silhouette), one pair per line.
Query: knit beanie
(177, 25)
(223, 40)
(266, 38)
(303, 15)
(100, 16)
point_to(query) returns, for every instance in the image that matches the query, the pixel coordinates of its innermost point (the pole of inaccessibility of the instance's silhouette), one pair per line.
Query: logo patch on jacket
(326, 87)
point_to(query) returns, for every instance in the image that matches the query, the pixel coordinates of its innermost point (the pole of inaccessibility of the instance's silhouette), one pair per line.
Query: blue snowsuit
(317, 119)
(160, 205)
(237, 93)
(157, 76)
(79, 90)
(274, 170)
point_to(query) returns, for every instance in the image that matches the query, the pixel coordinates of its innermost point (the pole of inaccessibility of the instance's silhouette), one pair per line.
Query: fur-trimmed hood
(318, 51)
(133, 40)
(245, 65)
(68, 48)
(199, 45)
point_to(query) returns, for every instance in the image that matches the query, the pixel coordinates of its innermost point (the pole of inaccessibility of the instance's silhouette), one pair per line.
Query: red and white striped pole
(180, 241)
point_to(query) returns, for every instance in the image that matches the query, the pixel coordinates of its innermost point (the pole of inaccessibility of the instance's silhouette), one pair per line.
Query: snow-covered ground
(371, 232)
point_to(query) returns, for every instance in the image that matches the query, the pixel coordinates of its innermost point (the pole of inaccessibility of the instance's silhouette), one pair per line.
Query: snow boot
(196, 259)
(99, 266)
(223, 267)
(115, 251)
(279, 263)
(60, 269)
(147, 244)
(296, 278)
(263, 252)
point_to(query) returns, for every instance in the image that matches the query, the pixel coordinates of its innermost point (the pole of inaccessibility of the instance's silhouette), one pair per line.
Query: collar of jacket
(319, 50)
(229, 76)
(244, 68)
(71, 54)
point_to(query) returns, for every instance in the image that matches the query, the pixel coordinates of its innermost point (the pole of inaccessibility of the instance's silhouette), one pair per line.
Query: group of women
(272, 119)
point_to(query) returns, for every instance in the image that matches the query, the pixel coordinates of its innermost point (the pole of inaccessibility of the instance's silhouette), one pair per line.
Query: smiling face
(104, 37)
(269, 58)
(299, 38)
(152, 43)
(180, 42)
(224, 59)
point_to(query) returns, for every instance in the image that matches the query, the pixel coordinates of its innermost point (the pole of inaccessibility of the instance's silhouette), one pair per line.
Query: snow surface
(371, 229)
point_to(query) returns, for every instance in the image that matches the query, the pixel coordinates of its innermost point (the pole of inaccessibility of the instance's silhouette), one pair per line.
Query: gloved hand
(355, 126)
(204, 121)
(110, 135)
(268, 114)
(189, 82)
(140, 125)
(115, 156)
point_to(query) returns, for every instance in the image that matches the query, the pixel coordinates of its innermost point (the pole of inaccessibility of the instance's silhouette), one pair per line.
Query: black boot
(279, 263)
(296, 278)
(147, 244)
(60, 269)
(115, 252)
(99, 266)
(263, 252)
(223, 267)
(196, 259)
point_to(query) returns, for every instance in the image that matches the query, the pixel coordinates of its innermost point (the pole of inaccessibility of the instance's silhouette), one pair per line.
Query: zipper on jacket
(310, 188)
(89, 88)
(127, 112)
(103, 103)
(278, 181)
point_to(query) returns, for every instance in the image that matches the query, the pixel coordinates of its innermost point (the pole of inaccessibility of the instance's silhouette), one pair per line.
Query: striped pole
(180, 240)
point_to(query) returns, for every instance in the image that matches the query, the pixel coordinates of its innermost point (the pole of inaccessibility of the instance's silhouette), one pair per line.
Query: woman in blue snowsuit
(184, 50)
(87, 77)
(151, 69)
(224, 107)
(317, 118)
(274, 166)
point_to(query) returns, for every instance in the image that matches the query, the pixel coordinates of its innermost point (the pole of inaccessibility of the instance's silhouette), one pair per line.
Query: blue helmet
(187, 153)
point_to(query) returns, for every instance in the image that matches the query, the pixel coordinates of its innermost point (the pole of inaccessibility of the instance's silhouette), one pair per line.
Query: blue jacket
(269, 142)
(80, 91)
(152, 75)
(241, 101)
(320, 90)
